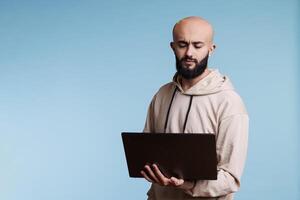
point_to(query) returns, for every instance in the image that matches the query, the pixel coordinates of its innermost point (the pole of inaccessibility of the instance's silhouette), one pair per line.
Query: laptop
(188, 156)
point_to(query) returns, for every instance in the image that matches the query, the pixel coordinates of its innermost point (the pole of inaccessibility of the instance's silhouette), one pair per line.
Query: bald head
(192, 45)
(193, 28)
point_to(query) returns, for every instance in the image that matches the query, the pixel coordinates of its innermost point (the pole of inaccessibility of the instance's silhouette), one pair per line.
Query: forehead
(192, 32)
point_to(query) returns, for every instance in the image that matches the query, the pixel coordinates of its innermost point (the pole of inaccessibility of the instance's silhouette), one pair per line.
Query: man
(199, 100)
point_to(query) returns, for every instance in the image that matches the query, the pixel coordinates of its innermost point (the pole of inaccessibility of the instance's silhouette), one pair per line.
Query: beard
(187, 73)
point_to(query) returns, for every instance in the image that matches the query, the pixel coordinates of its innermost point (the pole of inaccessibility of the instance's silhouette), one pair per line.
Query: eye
(182, 44)
(198, 46)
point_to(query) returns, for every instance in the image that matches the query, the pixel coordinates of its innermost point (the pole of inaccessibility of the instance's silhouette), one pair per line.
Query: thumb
(177, 181)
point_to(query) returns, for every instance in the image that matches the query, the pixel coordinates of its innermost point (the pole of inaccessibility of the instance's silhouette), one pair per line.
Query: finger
(146, 176)
(176, 181)
(160, 176)
(151, 174)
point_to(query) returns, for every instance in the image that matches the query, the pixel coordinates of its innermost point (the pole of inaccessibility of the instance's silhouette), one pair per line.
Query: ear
(172, 46)
(212, 49)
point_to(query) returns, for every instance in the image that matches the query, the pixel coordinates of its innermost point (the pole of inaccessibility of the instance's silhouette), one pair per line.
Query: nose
(189, 51)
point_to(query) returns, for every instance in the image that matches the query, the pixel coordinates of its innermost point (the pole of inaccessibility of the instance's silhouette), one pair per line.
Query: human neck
(188, 83)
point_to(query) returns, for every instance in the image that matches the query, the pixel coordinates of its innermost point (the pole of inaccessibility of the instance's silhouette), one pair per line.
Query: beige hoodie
(214, 108)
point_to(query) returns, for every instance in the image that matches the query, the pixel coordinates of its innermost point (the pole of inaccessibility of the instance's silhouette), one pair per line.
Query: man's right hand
(154, 175)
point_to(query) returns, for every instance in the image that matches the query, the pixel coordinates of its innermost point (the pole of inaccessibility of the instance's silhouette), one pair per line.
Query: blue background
(74, 74)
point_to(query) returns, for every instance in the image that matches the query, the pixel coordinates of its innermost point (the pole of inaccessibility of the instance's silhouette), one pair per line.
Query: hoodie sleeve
(232, 142)
(148, 128)
(149, 124)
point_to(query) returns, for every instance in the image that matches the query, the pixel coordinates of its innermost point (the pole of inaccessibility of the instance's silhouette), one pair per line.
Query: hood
(214, 82)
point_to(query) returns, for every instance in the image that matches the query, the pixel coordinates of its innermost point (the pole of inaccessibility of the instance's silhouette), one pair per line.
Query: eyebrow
(196, 42)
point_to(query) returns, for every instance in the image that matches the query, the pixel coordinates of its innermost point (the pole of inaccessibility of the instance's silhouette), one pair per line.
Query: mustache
(186, 58)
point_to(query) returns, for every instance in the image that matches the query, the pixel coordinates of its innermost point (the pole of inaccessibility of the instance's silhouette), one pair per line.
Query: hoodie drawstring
(187, 113)
(167, 118)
